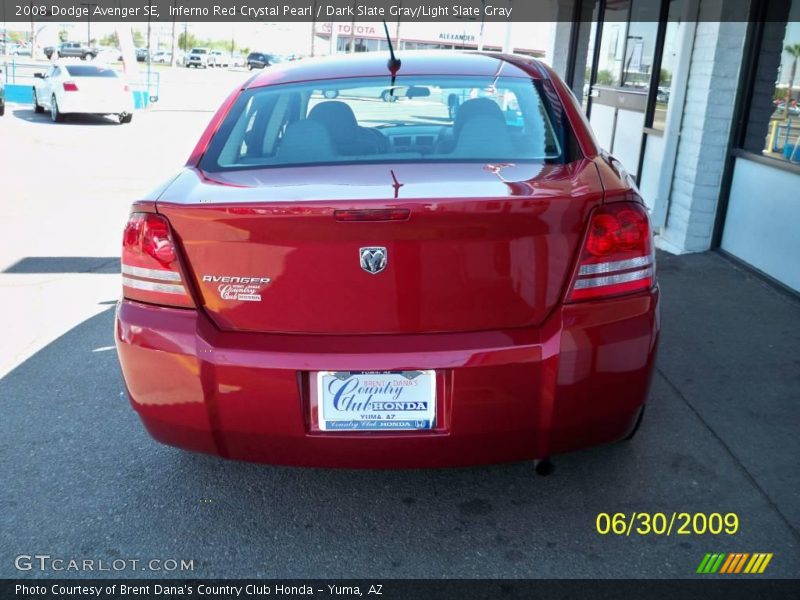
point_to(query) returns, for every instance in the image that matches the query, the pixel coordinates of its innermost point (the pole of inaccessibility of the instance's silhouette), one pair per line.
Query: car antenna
(394, 63)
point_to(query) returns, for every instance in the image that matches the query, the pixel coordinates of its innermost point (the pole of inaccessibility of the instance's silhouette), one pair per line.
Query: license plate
(376, 401)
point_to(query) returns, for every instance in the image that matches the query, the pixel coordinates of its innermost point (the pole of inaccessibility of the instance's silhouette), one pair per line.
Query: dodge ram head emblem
(373, 259)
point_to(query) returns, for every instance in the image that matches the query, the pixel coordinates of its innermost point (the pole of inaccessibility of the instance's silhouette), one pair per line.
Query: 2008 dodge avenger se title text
(458, 276)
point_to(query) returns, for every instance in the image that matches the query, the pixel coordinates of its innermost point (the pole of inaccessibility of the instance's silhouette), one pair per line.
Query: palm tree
(794, 51)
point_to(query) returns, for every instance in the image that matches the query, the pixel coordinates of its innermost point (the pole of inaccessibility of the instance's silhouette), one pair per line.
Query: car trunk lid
(467, 246)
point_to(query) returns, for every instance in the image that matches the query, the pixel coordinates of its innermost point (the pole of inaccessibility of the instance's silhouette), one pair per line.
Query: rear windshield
(90, 71)
(414, 119)
(198, 51)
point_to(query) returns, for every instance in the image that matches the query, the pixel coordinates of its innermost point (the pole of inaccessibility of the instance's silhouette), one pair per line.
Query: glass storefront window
(627, 45)
(612, 46)
(669, 60)
(773, 117)
(587, 34)
(639, 52)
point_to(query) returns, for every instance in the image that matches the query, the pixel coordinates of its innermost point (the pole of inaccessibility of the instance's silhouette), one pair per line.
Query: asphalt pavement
(81, 479)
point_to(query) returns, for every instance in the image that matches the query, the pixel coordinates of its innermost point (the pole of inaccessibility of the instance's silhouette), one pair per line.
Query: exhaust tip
(544, 467)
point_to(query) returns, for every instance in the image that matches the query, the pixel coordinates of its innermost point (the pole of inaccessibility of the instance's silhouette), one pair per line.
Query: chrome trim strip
(151, 273)
(152, 286)
(613, 279)
(620, 265)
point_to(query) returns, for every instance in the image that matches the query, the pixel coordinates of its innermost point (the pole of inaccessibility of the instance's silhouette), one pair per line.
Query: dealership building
(526, 38)
(689, 94)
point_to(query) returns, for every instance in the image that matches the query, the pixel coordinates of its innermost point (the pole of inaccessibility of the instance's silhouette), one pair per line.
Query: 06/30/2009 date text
(676, 523)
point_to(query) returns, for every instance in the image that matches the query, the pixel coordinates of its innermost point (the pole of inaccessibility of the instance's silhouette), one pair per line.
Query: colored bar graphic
(734, 560)
(765, 563)
(704, 563)
(711, 563)
(727, 564)
(755, 562)
(740, 564)
(715, 567)
(732, 563)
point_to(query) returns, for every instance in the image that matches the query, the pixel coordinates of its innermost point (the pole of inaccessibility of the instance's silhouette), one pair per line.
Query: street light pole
(353, 31)
(313, 27)
(483, 23)
(89, 7)
(33, 30)
(172, 39)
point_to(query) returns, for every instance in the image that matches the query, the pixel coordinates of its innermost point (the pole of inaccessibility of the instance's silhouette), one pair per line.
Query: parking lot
(84, 480)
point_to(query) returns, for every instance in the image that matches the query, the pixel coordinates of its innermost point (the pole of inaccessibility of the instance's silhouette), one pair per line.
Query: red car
(357, 283)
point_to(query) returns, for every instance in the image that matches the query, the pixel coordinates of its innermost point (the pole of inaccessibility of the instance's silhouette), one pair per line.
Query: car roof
(71, 62)
(414, 62)
(74, 62)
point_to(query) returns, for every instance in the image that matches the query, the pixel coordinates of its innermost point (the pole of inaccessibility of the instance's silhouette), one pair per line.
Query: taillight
(617, 255)
(150, 269)
(126, 88)
(70, 86)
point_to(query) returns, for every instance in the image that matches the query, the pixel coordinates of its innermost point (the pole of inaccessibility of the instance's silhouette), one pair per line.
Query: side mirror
(39, 75)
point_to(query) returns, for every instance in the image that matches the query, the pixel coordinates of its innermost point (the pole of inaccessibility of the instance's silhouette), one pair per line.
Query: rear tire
(2, 109)
(55, 114)
(36, 107)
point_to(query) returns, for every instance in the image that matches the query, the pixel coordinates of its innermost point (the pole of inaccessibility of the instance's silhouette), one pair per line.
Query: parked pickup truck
(198, 57)
(72, 50)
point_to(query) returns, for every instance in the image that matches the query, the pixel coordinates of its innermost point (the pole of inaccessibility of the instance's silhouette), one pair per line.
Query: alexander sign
(457, 37)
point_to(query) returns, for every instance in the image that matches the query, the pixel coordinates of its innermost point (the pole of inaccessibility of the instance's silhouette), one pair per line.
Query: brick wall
(705, 130)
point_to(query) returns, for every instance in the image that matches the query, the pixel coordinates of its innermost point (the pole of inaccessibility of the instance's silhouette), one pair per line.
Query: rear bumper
(578, 380)
(94, 106)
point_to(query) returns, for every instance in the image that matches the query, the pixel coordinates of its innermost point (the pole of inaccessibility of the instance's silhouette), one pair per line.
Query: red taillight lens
(617, 257)
(150, 269)
(70, 86)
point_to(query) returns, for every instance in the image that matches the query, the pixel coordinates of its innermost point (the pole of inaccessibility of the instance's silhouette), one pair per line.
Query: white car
(218, 59)
(80, 88)
(162, 56)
